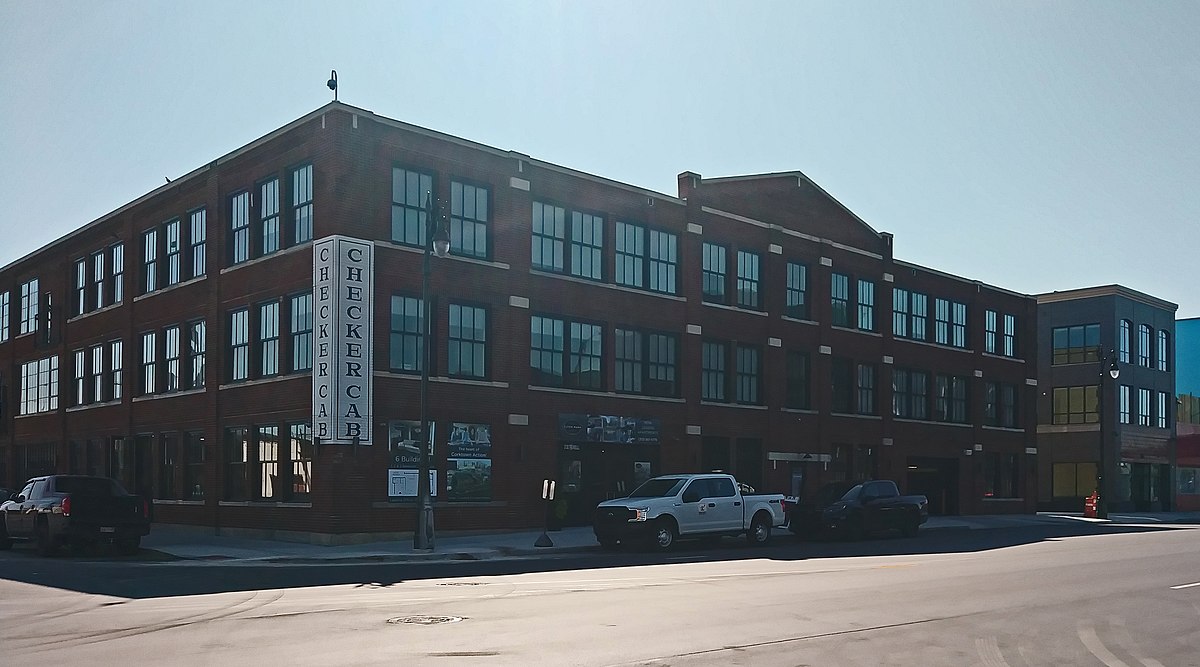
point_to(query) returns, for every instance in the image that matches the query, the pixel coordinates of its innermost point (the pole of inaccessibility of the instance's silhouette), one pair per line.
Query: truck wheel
(760, 530)
(42, 542)
(664, 534)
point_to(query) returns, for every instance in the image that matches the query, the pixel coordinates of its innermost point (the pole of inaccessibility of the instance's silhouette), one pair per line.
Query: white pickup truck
(672, 507)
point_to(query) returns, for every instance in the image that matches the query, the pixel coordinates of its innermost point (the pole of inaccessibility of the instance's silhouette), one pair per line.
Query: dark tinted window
(88, 486)
(39, 489)
(881, 490)
(700, 488)
(657, 488)
(722, 487)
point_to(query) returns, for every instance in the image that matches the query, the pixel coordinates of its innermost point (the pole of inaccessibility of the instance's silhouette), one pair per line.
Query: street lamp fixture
(437, 242)
(1114, 371)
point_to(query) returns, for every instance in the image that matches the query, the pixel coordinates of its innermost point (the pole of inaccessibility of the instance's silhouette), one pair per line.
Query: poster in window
(403, 450)
(469, 463)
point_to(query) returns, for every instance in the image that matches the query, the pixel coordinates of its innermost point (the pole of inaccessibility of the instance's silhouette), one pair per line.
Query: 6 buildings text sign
(343, 290)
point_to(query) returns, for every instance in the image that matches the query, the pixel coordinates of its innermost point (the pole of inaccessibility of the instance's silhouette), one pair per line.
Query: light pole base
(544, 540)
(424, 537)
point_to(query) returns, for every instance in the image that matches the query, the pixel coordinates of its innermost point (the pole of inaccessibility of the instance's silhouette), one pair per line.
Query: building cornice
(1106, 290)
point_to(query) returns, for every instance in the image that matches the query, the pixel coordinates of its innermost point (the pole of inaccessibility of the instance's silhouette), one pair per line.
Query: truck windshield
(88, 486)
(853, 493)
(658, 488)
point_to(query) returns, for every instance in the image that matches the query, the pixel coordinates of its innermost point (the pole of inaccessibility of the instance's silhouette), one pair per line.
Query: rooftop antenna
(332, 83)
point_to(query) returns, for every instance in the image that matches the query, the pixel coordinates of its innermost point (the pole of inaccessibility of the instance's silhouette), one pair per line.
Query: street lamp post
(1108, 366)
(437, 243)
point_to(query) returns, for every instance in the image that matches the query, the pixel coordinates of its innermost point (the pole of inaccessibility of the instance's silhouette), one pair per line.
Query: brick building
(583, 330)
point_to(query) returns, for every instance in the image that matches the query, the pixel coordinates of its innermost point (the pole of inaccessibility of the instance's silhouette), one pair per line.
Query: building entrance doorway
(937, 480)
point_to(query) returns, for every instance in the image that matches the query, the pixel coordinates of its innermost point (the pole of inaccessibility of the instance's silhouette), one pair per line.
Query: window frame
(749, 276)
(796, 291)
(460, 221)
(714, 267)
(404, 335)
(478, 346)
(301, 178)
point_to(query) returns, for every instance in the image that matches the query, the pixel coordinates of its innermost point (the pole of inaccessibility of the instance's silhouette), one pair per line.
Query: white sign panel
(343, 308)
(403, 483)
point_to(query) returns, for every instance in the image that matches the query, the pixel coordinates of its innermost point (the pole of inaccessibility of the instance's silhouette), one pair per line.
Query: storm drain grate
(424, 620)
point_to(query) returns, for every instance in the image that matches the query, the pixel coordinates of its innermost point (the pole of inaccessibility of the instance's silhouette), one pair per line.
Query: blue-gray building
(1087, 419)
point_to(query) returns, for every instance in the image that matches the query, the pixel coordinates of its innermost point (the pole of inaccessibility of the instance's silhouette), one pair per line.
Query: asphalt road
(1038, 595)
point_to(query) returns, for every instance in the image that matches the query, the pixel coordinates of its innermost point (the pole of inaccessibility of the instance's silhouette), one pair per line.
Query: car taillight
(66, 506)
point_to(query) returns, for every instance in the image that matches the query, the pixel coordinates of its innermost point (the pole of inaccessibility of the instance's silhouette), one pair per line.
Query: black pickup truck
(855, 510)
(74, 510)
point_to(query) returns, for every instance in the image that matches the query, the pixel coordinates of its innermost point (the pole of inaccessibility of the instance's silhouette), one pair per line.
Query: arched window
(1126, 330)
(1163, 350)
(1145, 335)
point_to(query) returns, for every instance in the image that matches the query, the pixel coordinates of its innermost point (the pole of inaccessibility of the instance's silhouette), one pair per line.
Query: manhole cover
(424, 620)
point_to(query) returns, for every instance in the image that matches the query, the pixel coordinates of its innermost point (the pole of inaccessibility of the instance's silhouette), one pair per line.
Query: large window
(941, 321)
(268, 487)
(81, 287)
(268, 338)
(663, 259)
(237, 463)
(866, 389)
(958, 329)
(586, 345)
(748, 374)
(951, 399)
(1010, 335)
(866, 305)
(712, 371)
(29, 306)
(302, 332)
(302, 204)
(1125, 406)
(1145, 334)
(797, 291)
(239, 345)
(197, 346)
(660, 380)
(405, 342)
(4, 307)
(118, 272)
(798, 394)
(149, 363)
(713, 273)
(239, 227)
(631, 252)
(467, 341)
(920, 316)
(628, 365)
(546, 351)
(174, 252)
(193, 465)
(97, 377)
(839, 294)
(1076, 405)
(1163, 419)
(39, 386)
(198, 220)
(1162, 350)
(150, 261)
(842, 377)
(1189, 481)
(168, 458)
(409, 217)
(900, 312)
(1144, 415)
(171, 357)
(549, 235)
(1123, 340)
(587, 245)
(1000, 404)
(300, 452)
(99, 293)
(268, 216)
(989, 331)
(468, 220)
(910, 394)
(116, 350)
(1074, 480)
(1075, 344)
(747, 280)
(582, 346)
(81, 374)
(1001, 475)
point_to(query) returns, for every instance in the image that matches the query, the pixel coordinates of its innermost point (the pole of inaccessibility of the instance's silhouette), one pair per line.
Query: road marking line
(1175, 588)
(989, 652)
(1092, 643)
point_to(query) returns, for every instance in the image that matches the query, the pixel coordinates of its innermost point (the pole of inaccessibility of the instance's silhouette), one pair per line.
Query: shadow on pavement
(135, 577)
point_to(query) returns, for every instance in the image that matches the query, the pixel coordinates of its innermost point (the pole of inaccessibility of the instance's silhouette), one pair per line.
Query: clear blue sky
(1032, 145)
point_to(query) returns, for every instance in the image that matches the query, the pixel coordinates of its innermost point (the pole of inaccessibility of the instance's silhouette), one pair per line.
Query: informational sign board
(343, 308)
(403, 483)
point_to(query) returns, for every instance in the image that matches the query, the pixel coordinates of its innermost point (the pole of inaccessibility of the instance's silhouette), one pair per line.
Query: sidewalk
(200, 545)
